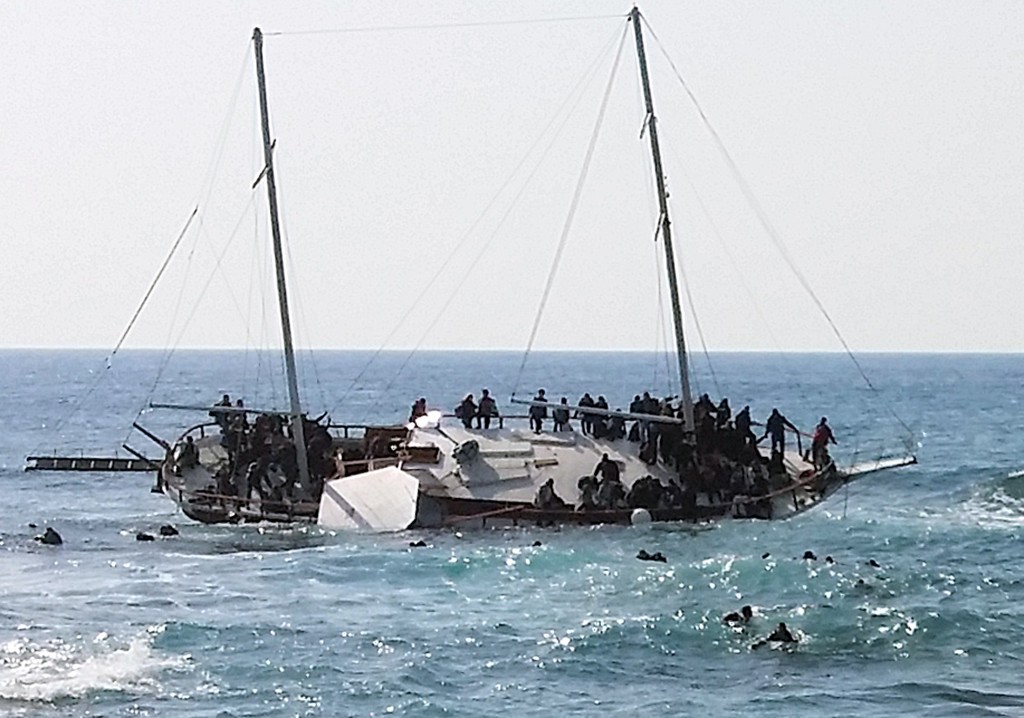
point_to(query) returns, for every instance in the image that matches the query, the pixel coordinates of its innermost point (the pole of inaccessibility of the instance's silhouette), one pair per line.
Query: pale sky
(882, 140)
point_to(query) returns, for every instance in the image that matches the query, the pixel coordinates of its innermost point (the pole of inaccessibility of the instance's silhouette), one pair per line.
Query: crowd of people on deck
(263, 461)
(720, 460)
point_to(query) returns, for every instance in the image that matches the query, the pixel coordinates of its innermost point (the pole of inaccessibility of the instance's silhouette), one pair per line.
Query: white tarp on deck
(380, 500)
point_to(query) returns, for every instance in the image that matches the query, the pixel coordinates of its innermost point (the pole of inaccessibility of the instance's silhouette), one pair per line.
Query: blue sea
(268, 621)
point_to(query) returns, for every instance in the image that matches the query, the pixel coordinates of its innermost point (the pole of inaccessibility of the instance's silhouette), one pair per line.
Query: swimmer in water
(781, 635)
(741, 618)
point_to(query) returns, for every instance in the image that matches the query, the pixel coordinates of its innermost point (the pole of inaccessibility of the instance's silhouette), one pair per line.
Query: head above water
(747, 612)
(485, 393)
(824, 420)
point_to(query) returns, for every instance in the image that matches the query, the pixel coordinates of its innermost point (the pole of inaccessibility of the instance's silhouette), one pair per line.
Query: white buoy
(640, 517)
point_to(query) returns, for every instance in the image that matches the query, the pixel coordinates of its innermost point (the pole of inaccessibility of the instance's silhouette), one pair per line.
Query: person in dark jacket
(487, 410)
(538, 413)
(775, 427)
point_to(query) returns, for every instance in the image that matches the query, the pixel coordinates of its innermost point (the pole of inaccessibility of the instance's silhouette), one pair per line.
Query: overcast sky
(882, 140)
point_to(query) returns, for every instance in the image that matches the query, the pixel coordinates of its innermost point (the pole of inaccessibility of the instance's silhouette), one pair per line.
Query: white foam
(998, 510)
(30, 672)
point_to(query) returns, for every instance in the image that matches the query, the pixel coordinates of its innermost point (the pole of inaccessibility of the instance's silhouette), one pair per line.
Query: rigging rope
(301, 307)
(696, 324)
(572, 208)
(124, 335)
(483, 249)
(195, 307)
(205, 190)
(671, 373)
(575, 92)
(772, 233)
(439, 26)
(152, 285)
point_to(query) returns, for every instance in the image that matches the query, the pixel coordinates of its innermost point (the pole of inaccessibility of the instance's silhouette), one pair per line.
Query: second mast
(666, 225)
(298, 435)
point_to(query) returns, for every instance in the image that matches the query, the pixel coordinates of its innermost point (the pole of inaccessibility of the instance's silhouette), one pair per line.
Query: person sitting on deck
(220, 416)
(776, 426)
(419, 408)
(588, 493)
(467, 411)
(487, 410)
(561, 416)
(547, 499)
(819, 444)
(646, 493)
(611, 494)
(538, 413)
(188, 456)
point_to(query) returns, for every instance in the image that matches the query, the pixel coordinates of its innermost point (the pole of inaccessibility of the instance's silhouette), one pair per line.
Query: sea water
(268, 621)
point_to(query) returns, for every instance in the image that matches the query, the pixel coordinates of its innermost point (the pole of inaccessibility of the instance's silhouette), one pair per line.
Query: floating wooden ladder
(89, 463)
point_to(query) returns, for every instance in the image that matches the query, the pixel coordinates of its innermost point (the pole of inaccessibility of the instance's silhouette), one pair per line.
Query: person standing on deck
(776, 426)
(538, 413)
(488, 408)
(561, 416)
(743, 426)
(599, 422)
(722, 414)
(648, 405)
(819, 444)
(586, 420)
(607, 469)
(636, 407)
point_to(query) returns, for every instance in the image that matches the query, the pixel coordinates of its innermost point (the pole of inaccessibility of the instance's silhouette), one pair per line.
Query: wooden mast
(666, 225)
(298, 435)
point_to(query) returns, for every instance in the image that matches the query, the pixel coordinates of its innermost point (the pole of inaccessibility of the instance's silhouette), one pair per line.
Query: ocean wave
(60, 670)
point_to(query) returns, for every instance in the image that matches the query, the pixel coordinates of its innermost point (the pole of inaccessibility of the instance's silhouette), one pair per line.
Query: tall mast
(666, 225)
(298, 435)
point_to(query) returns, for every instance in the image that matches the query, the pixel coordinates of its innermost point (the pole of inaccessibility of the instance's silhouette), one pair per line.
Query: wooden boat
(435, 471)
